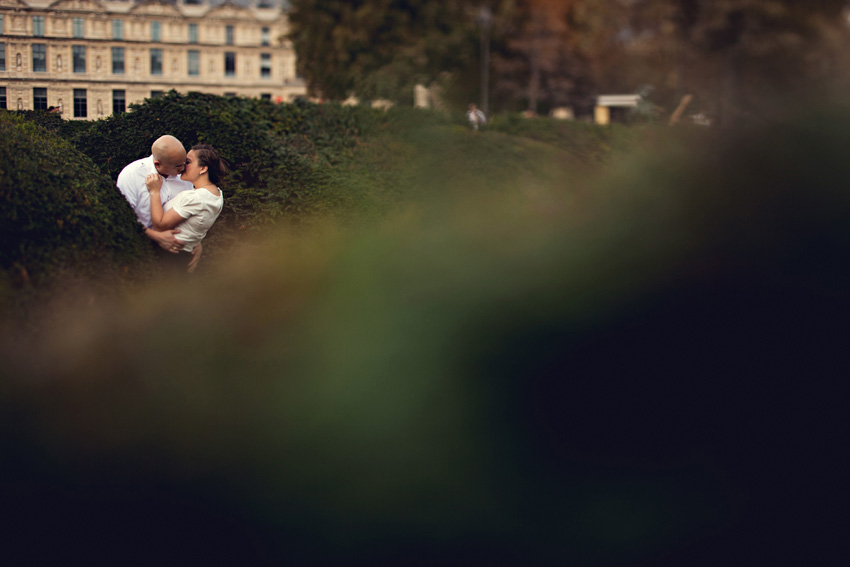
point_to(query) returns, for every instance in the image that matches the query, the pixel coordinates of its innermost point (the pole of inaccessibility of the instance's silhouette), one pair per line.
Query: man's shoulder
(137, 166)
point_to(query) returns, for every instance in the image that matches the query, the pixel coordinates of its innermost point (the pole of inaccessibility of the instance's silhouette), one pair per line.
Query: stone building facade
(90, 58)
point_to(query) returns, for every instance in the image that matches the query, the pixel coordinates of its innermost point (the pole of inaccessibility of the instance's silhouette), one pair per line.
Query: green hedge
(277, 153)
(59, 213)
(291, 164)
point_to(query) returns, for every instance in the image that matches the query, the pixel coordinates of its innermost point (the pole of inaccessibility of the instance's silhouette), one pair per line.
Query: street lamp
(485, 19)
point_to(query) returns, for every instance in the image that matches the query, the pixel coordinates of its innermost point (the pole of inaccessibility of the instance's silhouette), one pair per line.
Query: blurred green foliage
(485, 356)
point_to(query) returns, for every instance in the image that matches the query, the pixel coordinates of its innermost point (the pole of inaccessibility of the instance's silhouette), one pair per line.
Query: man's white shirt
(131, 183)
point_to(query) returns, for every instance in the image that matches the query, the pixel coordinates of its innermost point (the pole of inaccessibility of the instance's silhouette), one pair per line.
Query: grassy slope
(444, 163)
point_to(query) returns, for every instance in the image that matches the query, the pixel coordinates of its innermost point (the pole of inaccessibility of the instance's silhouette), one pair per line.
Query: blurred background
(556, 57)
(545, 342)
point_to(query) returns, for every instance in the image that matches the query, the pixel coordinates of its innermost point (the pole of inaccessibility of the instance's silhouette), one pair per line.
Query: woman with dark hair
(193, 212)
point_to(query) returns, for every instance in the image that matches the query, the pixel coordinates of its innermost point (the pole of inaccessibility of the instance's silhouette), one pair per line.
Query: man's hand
(166, 240)
(196, 257)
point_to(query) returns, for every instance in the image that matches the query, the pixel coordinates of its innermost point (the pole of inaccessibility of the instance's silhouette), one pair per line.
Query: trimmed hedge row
(276, 152)
(290, 163)
(57, 178)
(59, 211)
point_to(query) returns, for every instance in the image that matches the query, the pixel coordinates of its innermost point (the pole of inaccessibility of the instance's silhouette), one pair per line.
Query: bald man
(168, 158)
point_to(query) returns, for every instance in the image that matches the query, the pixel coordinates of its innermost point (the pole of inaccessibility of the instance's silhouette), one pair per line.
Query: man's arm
(165, 239)
(165, 235)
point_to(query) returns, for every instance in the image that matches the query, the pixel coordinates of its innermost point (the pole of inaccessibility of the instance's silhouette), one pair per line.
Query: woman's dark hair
(208, 156)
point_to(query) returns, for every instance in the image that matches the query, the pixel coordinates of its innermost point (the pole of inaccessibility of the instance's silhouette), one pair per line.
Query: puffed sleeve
(187, 204)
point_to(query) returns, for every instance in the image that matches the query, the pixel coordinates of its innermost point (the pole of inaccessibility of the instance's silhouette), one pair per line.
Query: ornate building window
(39, 57)
(39, 99)
(80, 104)
(79, 27)
(119, 101)
(229, 64)
(117, 60)
(79, 56)
(194, 65)
(117, 29)
(156, 31)
(2, 56)
(228, 35)
(265, 36)
(38, 26)
(3, 97)
(193, 33)
(265, 65)
(156, 61)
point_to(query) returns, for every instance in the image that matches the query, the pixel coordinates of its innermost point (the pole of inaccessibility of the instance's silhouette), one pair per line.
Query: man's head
(169, 155)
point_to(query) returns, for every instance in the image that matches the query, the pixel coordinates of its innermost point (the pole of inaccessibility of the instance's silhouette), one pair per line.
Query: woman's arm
(161, 220)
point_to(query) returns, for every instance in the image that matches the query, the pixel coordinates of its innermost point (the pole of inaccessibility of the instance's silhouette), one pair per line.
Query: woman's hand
(153, 181)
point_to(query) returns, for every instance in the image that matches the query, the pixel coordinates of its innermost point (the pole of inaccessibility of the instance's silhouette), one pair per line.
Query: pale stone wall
(137, 81)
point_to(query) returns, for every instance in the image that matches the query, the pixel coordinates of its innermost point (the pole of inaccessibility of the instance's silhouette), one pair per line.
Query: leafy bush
(295, 163)
(276, 152)
(47, 120)
(267, 177)
(59, 212)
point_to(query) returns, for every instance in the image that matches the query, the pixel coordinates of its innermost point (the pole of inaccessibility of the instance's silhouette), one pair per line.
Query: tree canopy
(545, 53)
(733, 53)
(377, 48)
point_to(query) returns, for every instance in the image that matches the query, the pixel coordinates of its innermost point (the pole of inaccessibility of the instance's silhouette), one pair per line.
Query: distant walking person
(475, 116)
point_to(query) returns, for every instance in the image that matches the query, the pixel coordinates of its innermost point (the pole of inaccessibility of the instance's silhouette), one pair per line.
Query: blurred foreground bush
(648, 373)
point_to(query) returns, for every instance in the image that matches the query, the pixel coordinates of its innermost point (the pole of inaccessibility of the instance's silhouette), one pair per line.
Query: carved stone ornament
(79, 5)
(229, 10)
(13, 4)
(156, 8)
